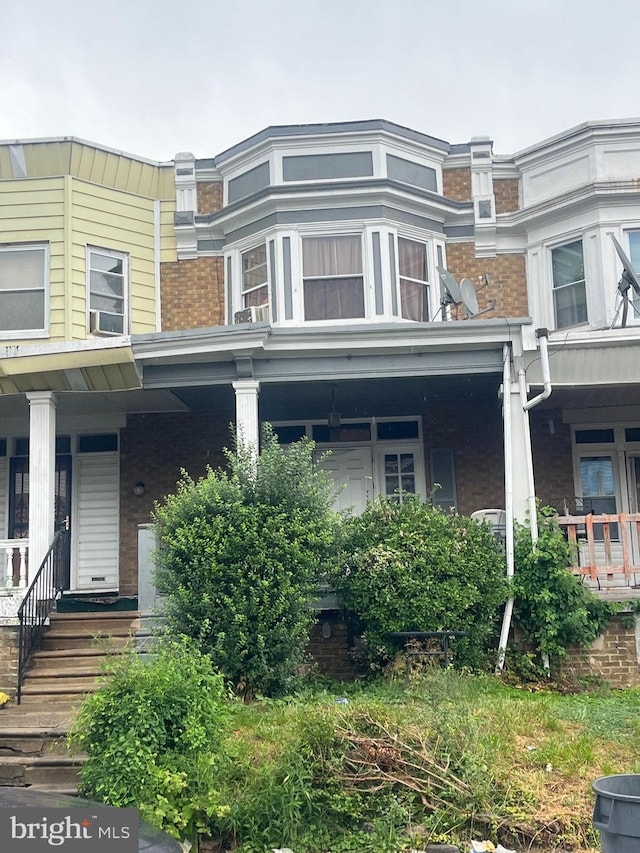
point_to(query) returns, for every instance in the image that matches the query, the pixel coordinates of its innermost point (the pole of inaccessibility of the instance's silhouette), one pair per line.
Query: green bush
(552, 609)
(149, 735)
(240, 554)
(411, 567)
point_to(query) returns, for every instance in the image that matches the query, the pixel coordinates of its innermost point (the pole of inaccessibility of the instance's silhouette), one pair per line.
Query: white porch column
(42, 474)
(247, 423)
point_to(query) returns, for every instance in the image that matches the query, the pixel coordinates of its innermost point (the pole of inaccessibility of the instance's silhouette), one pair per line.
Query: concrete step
(69, 669)
(59, 687)
(43, 715)
(33, 770)
(71, 654)
(32, 741)
(71, 640)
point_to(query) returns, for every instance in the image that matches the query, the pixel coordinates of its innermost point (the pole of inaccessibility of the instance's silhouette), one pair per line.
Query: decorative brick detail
(153, 449)
(209, 196)
(612, 657)
(331, 654)
(507, 276)
(507, 194)
(456, 184)
(192, 294)
(8, 659)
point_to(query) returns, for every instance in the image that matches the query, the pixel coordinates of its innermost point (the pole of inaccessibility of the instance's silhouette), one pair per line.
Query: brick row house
(298, 278)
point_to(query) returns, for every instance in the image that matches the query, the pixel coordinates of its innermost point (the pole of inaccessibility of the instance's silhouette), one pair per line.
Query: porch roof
(92, 365)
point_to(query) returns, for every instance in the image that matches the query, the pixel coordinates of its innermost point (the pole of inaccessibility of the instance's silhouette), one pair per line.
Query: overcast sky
(154, 77)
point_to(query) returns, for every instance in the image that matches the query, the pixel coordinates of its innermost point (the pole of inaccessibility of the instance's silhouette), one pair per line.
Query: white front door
(98, 502)
(352, 471)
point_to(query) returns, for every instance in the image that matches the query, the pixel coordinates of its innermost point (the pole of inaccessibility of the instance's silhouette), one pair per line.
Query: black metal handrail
(39, 602)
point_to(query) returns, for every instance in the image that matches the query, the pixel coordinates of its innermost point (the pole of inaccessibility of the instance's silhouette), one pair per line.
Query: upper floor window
(414, 279)
(255, 279)
(107, 284)
(569, 292)
(23, 276)
(333, 282)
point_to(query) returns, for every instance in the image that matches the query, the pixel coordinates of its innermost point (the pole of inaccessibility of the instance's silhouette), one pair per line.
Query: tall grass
(452, 758)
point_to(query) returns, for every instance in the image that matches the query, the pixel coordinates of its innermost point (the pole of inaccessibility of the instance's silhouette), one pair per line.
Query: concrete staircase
(32, 735)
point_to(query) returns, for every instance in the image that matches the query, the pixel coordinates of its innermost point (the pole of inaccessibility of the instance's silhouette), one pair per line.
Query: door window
(598, 489)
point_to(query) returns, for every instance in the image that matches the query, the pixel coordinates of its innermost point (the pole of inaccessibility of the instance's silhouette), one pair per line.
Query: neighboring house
(298, 284)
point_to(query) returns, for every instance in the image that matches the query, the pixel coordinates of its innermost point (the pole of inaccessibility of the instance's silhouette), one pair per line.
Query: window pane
(634, 257)
(333, 299)
(596, 473)
(389, 430)
(106, 263)
(568, 265)
(594, 436)
(256, 297)
(104, 303)
(414, 300)
(254, 267)
(326, 256)
(97, 443)
(571, 305)
(107, 284)
(412, 258)
(22, 310)
(22, 269)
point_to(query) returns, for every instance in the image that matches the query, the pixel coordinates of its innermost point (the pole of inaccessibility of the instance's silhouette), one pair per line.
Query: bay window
(414, 279)
(333, 285)
(569, 291)
(23, 275)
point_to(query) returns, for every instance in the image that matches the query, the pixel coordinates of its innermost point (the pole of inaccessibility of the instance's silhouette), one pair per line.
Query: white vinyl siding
(97, 501)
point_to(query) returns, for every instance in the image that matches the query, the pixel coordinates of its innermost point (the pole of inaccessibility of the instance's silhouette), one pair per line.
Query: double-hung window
(107, 283)
(23, 275)
(414, 279)
(255, 279)
(332, 274)
(569, 291)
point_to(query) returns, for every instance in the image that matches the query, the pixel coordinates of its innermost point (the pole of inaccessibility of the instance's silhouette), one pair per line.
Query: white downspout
(542, 336)
(508, 498)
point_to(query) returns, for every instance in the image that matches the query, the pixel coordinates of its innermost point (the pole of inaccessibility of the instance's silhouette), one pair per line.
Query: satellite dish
(469, 298)
(450, 285)
(628, 279)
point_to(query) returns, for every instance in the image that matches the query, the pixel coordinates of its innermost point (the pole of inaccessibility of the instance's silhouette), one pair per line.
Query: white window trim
(22, 334)
(433, 284)
(580, 237)
(126, 285)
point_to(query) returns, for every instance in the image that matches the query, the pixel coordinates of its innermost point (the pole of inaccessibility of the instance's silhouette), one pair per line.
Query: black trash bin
(617, 813)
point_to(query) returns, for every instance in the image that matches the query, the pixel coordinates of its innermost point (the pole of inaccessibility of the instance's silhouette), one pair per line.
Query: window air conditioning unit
(104, 323)
(254, 314)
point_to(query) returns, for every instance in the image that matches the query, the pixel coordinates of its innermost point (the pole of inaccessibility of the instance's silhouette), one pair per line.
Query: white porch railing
(15, 563)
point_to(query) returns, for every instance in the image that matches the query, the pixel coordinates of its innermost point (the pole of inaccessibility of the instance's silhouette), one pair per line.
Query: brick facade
(192, 294)
(507, 194)
(456, 183)
(507, 277)
(551, 443)
(153, 449)
(331, 653)
(8, 659)
(613, 656)
(473, 430)
(209, 196)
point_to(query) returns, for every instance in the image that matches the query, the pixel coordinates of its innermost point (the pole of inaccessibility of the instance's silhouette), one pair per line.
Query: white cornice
(577, 137)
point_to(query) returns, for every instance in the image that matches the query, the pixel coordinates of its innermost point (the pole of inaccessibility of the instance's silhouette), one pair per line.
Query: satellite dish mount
(628, 281)
(461, 294)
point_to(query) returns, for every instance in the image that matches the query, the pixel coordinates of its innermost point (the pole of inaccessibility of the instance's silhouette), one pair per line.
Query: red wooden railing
(606, 548)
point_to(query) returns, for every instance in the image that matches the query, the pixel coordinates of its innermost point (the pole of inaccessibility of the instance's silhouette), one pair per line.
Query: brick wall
(153, 449)
(551, 444)
(473, 430)
(192, 294)
(331, 654)
(8, 659)
(209, 196)
(507, 279)
(456, 184)
(507, 193)
(612, 656)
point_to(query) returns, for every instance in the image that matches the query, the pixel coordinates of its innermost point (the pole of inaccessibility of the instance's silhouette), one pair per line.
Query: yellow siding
(122, 222)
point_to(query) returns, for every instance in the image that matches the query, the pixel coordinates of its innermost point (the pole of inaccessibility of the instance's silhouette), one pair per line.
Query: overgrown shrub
(412, 567)
(552, 608)
(240, 554)
(150, 734)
